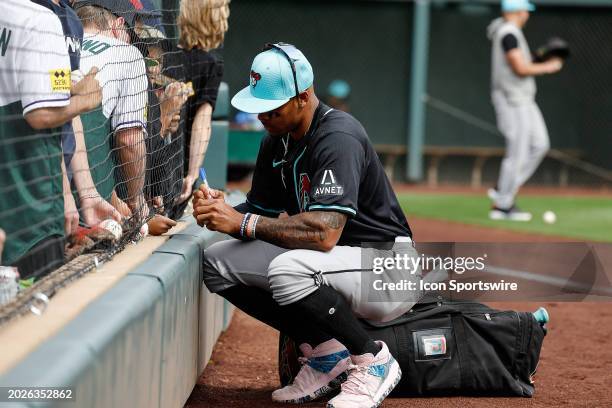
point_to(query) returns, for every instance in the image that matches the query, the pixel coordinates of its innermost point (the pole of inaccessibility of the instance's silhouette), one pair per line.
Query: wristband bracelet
(256, 218)
(242, 225)
(245, 219)
(249, 226)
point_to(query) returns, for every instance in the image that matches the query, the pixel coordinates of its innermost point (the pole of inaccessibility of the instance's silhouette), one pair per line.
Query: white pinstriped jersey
(34, 74)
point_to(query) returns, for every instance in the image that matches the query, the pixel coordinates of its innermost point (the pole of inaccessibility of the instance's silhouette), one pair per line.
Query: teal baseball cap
(273, 80)
(508, 6)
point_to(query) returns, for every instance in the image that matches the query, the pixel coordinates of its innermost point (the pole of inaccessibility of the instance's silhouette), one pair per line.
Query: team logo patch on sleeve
(328, 186)
(60, 79)
(304, 191)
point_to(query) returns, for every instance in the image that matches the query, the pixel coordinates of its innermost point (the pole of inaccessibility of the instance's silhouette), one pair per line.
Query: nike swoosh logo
(276, 164)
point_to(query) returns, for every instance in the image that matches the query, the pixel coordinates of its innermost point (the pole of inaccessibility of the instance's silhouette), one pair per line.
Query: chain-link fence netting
(105, 118)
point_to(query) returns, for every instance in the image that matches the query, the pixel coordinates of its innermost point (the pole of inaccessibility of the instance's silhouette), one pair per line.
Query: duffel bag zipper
(524, 328)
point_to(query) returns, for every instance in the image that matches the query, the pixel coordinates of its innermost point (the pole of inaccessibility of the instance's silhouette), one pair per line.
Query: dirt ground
(575, 368)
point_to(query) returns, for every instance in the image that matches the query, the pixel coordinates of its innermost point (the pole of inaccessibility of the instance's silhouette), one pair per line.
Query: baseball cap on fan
(271, 83)
(128, 9)
(509, 6)
(154, 20)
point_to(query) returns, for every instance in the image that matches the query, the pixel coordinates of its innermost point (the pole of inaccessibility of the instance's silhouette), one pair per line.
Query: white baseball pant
(527, 143)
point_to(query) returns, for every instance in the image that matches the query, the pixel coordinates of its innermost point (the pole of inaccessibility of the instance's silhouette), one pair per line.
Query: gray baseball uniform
(291, 275)
(519, 118)
(332, 168)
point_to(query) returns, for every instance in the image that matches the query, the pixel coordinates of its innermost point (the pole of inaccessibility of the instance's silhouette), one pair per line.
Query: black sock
(372, 347)
(259, 304)
(328, 310)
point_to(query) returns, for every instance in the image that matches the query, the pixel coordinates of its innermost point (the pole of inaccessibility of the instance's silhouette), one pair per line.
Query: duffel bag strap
(465, 365)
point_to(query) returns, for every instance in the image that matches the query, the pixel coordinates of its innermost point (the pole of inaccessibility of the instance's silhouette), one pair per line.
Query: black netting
(104, 125)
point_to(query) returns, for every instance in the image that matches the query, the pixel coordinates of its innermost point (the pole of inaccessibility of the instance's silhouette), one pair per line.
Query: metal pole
(418, 88)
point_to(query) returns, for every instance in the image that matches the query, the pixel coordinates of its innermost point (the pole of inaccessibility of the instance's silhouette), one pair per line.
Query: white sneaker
(512, 214)
(323, 370)
(370, 380)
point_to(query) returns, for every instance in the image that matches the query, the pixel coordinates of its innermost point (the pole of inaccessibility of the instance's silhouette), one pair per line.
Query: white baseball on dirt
(549, 217)
(113, 227)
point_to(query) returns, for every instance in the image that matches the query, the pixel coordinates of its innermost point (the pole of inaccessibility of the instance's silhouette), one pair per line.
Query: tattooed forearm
(333, 220)
(318, 230)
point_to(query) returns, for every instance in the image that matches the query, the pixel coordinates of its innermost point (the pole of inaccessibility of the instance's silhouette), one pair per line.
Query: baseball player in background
(303, 273)
(519, 118)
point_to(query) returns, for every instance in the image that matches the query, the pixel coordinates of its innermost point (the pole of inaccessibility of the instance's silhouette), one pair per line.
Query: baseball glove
(87, 239)
(555, 47)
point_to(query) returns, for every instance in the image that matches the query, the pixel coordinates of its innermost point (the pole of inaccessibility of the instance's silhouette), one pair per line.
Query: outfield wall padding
(144, 342)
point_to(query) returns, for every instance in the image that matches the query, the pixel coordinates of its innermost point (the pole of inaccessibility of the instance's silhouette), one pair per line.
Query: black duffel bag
(453, 348)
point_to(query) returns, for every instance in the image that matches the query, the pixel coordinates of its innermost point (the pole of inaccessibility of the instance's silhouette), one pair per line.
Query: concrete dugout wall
(143, 343)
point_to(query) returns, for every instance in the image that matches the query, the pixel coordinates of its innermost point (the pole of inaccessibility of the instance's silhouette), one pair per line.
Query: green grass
(584, 218)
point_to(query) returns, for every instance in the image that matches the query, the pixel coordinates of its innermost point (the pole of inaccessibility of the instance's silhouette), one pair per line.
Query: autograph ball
(113, 227)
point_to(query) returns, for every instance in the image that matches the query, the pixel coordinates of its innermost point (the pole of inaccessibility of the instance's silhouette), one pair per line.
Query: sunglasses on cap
(292, 54)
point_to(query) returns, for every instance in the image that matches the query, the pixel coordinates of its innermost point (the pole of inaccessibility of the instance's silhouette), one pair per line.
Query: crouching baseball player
(303, 274)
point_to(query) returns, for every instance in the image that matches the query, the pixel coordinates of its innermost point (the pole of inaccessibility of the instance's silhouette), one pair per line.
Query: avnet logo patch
(328, 185)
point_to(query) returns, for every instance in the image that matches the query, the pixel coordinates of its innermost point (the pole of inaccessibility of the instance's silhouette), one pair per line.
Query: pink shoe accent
(371, 378)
